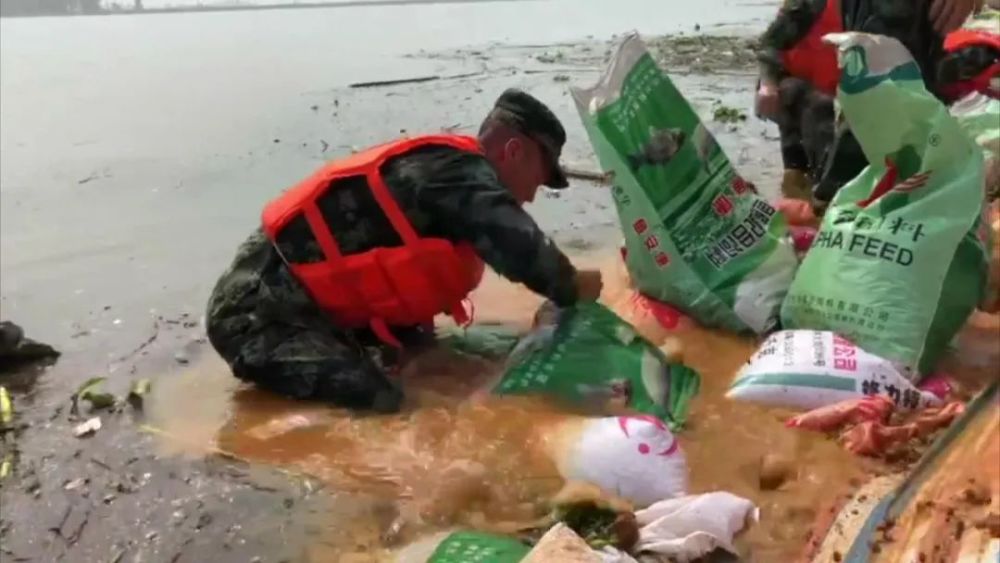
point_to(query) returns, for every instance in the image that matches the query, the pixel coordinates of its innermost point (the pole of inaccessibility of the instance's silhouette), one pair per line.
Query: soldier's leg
(315, 362)
(302, 355)
(266, 327)
(844, 161)
(794, 184)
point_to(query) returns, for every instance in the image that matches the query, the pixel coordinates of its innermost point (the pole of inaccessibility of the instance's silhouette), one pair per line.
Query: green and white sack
(463, 547)
(697, 235)
(979, 116)
(589, 355)
(897, 265)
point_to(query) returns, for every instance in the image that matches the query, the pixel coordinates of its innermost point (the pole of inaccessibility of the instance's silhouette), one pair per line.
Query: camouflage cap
(535, 120)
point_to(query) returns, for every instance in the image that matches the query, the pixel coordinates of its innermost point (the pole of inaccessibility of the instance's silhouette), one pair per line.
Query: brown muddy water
(460, 458)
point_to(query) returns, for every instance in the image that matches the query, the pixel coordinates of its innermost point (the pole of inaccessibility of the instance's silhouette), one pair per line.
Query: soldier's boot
(795, 185)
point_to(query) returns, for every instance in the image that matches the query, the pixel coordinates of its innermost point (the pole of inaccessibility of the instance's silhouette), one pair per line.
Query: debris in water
(137, 394)
(377, 83)
(549, 59)
(90, 392)
(15, 349)
(561, 78)
(181, 358)
(774, 471)
(87, 428)
(314, 107)
(591, 175)
(726, 114)
(6, 407)
(75, 484)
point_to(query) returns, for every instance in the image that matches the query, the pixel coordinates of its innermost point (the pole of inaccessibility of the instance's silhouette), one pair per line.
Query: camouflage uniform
(269, 330)
(810, 138)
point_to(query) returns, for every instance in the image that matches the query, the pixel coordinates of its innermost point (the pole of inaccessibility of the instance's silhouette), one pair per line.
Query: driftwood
(414, 80)
(590, 175)
(379, 83)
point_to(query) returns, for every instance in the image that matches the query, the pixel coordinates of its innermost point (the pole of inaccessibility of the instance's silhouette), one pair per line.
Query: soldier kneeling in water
(357, 259)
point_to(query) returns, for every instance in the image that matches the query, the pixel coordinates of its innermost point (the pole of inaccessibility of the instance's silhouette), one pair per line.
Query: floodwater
(457, 457)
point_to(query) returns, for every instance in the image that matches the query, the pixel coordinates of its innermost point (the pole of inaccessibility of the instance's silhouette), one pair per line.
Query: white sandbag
(688, 528)
(808, 369)
(634, 457)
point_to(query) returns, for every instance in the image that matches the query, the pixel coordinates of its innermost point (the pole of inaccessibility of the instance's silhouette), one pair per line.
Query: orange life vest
(811, 59)
(400, 286)
(985, 81)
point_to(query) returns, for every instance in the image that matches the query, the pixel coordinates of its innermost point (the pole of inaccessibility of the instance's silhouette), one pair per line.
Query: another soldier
(357, 259)
(799, 78)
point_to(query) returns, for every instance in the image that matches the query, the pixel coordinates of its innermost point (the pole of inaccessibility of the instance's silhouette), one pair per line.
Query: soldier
(355, 261)
(799, 75)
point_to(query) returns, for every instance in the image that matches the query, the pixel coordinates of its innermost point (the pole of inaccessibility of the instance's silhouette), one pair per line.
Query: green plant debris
(726, 114)
(137, 394)
(6, 407)
(90, 391)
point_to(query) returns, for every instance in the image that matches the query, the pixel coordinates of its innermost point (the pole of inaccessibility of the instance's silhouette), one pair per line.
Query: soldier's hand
(588, 285)
(949, 15)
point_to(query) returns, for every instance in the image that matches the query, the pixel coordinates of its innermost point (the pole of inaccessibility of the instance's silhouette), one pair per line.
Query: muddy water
(458, 457)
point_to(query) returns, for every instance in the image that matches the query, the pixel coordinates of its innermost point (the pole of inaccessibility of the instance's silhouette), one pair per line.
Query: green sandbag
(491, 341)
(591, 356)
(469, 547)
(697, 235)
(899, 271)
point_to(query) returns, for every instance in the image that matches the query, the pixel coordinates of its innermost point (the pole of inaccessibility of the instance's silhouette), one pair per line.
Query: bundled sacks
(588, 356)
(697, 234)
(808, 369)
(898, 264)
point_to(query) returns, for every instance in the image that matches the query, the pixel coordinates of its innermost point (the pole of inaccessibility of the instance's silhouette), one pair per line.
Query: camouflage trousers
(813, 141)
(270, 332)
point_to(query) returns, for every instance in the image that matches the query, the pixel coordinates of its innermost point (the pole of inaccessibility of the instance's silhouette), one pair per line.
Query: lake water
(137, 150)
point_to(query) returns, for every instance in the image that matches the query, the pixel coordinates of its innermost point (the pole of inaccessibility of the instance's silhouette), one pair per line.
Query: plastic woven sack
(979, 116)
(467, 547)
(697, 234)
(898, 264)
(808, 369)
(590, 355)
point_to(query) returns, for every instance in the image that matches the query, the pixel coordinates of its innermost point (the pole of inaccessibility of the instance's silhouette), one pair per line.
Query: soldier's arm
(468, 203)
(793, 22)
